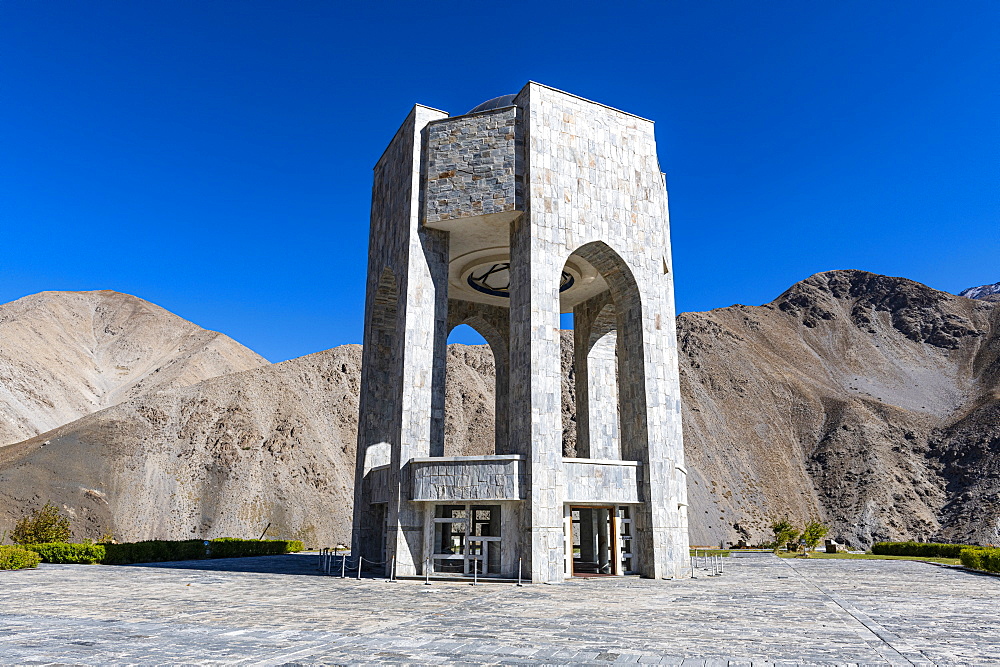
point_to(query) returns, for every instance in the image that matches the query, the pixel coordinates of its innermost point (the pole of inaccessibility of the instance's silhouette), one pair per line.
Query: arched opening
(476, 380)
(608, 367)
(569, 396)
(470, 395)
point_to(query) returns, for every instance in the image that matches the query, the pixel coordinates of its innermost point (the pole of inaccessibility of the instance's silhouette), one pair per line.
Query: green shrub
(784, 532)
(64, 552)
(17, 558)
(981, 558)
(41, 526)
(153, 551)
(925, 549)
(231, 547)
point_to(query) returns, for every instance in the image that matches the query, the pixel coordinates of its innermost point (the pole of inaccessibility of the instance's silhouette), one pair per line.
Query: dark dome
(495, 103)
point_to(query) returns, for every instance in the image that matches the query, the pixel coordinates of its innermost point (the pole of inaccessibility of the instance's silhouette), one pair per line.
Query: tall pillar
(536, 394)
(405, 419)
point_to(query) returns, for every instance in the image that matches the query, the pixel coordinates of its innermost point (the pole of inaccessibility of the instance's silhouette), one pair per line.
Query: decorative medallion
(495, 280)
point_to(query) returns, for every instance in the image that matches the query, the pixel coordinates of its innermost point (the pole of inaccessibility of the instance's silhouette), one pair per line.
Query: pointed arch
(609, 362)
(493, 324)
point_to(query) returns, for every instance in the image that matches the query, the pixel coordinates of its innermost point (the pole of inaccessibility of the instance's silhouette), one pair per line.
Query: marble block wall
(569, 177)
(470, 165)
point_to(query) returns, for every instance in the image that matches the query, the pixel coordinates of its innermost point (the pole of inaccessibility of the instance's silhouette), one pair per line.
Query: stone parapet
(601, 481)
(470, 166)
(465, 478)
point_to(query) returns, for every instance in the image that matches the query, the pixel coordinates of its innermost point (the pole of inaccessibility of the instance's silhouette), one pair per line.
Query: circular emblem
(494, 279)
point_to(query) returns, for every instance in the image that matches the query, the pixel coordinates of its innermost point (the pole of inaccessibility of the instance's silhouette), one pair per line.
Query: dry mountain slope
(870, 401)
(67, 354)
(226, 456)
(222, 457)
(866, 400)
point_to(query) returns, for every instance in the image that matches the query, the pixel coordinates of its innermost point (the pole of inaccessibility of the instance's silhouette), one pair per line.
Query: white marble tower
(529, 206)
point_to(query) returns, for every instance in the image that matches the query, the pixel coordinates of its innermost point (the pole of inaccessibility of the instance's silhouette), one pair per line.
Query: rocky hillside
(67, 354)
(871, 402)
(229, 455)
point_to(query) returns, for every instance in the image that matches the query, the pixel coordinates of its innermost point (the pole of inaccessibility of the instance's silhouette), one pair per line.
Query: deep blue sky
(215, 157)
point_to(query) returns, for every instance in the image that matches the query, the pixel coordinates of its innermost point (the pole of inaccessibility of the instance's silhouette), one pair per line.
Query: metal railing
(713, 564)
(330, 561)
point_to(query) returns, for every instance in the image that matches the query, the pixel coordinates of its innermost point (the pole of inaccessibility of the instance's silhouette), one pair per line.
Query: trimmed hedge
(981, 558)
(149, 551)
(17, 558)
(926, 549)
(64, 552)
(155, 551)
(231, 547)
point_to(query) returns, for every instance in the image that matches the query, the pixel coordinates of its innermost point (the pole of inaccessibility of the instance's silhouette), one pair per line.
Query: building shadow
(299, 564)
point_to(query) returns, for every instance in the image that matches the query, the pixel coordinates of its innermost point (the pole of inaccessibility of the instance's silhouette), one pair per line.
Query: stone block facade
(471, 165)
(565, 196)
(461, 479)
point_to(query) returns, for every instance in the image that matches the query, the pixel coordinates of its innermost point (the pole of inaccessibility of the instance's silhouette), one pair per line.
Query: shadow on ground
(304, 564)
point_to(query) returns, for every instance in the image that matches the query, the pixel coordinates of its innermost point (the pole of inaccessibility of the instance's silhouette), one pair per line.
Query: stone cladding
(462, 479)
(594, 188)
(470, 165)
(569, 177)
(600, 481)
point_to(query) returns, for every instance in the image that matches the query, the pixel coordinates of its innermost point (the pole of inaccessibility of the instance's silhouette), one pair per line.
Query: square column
(536, 395)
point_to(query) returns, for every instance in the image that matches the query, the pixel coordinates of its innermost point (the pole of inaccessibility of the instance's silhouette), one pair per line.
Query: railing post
(343, 565)
(518, 571)
(360, 558)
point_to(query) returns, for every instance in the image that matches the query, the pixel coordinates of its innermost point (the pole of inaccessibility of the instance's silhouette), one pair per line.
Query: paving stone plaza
(278, 610)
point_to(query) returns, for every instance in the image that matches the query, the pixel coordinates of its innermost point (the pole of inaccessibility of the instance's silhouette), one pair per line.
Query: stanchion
(518, 571)
(360, 559)
(427, 572)
(475, 572)
(392, 571)
(343, 566)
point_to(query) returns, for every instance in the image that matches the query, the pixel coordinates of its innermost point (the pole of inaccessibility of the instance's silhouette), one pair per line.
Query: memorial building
(526, 207)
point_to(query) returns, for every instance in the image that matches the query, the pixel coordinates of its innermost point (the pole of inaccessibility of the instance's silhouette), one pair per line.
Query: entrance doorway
(466, 540)
(601, 539)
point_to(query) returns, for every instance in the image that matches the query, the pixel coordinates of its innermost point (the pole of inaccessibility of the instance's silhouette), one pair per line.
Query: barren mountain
(229, 455)
(984, 292)
(223, 457)
(865, 400)
(871, 402)
(67, 354)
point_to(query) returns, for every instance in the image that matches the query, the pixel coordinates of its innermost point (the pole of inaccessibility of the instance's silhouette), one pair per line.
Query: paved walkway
(275, 610)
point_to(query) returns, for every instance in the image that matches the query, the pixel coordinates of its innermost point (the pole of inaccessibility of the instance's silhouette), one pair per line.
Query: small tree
(813, 533)
(42, 525)
(784, 532)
